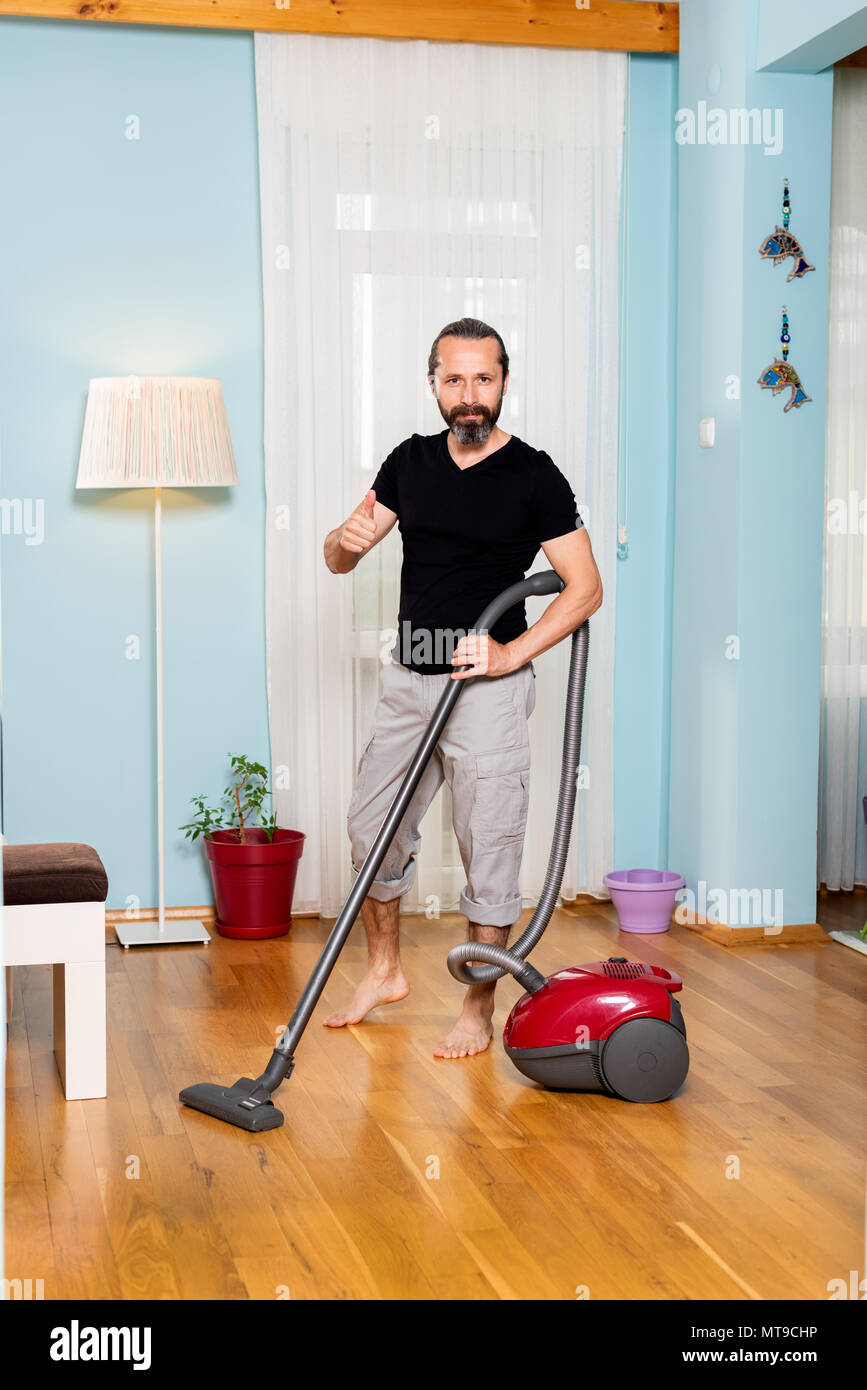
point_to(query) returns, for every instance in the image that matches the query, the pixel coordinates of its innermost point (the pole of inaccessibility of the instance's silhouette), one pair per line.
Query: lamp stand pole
(163, 933)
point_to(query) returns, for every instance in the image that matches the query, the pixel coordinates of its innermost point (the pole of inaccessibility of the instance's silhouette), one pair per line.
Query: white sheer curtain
(404, 184)
(844, 636)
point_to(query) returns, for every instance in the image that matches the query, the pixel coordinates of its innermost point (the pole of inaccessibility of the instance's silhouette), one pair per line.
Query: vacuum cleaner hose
(501, 961)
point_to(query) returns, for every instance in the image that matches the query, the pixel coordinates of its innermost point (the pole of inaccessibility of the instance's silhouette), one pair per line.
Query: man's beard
(472, 431)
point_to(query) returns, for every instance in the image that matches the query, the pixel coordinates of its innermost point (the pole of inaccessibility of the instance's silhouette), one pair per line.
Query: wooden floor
(397, 1176)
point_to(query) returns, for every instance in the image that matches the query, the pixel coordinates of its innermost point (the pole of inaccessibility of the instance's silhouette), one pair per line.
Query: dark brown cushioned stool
(59, 873)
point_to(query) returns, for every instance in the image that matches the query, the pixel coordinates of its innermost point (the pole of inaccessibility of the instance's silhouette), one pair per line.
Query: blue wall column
(642, 635)
(749, 512)
(127, 255)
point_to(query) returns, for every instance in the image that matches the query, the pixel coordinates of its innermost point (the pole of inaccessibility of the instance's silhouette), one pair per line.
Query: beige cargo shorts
(484, 756)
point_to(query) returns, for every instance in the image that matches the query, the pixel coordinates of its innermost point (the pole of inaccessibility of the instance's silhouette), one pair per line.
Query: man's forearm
(338, 560)
(567, 612)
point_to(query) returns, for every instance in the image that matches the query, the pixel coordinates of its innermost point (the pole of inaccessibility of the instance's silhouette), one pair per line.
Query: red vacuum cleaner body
(611, 1025)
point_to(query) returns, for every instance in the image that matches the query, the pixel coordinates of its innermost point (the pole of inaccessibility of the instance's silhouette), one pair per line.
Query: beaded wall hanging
(782, 243)
(781, 373)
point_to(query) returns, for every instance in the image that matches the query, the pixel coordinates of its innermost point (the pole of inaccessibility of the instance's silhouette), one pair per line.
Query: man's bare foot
(470, 1035)
(376, 988)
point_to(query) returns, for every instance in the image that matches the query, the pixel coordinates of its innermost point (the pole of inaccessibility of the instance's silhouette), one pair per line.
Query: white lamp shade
(156, 431)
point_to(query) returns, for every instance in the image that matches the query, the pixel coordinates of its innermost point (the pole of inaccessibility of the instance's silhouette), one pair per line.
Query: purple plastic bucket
(644, 898)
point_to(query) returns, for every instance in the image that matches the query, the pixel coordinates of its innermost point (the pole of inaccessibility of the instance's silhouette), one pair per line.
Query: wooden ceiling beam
(858, 59)
(622, 25)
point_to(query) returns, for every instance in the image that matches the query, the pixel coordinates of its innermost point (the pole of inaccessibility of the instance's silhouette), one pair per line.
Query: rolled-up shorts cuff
(383, 890)
(492, 914)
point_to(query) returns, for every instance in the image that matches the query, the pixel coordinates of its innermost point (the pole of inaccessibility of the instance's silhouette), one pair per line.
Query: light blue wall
(782, 505)
(143, 256)
(704, 766)
(803, 36)
(749, 512)
(643, 635)
(123, 257)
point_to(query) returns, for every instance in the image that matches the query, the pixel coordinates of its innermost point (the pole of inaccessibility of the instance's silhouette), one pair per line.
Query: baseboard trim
(797, 934)
(150, 914)
(806, 933)
(584, 902)
(205, 913)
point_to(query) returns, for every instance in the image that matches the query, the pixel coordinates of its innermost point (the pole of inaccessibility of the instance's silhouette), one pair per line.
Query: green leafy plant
(242, 806)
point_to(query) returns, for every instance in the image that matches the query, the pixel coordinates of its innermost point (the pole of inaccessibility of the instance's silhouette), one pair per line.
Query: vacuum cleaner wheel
(645, 1059)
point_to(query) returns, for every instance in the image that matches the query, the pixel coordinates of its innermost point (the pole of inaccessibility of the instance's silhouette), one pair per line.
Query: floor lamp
(156, 432)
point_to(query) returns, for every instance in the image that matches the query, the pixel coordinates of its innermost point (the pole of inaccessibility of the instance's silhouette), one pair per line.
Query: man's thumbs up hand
(359, 531)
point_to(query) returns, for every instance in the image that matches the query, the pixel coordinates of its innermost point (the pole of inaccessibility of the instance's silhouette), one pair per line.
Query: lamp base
(174, 933)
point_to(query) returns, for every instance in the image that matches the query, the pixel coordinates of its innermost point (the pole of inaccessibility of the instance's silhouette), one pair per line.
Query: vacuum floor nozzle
(233, 1104)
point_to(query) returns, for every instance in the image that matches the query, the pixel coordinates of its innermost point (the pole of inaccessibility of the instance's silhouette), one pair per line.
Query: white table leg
(79, 1028)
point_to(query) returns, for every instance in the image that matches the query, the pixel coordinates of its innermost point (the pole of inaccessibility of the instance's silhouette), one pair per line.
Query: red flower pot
(254, 882)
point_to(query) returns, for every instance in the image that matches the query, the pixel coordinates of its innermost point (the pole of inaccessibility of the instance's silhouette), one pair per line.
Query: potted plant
(253, 861)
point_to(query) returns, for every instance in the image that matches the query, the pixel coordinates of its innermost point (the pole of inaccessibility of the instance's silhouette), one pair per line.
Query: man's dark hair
(466, 328)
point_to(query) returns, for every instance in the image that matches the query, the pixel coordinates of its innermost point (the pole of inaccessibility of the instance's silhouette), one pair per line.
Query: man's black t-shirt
(467, 535)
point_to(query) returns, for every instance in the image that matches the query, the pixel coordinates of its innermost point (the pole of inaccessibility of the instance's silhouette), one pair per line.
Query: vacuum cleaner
(611, 1026)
